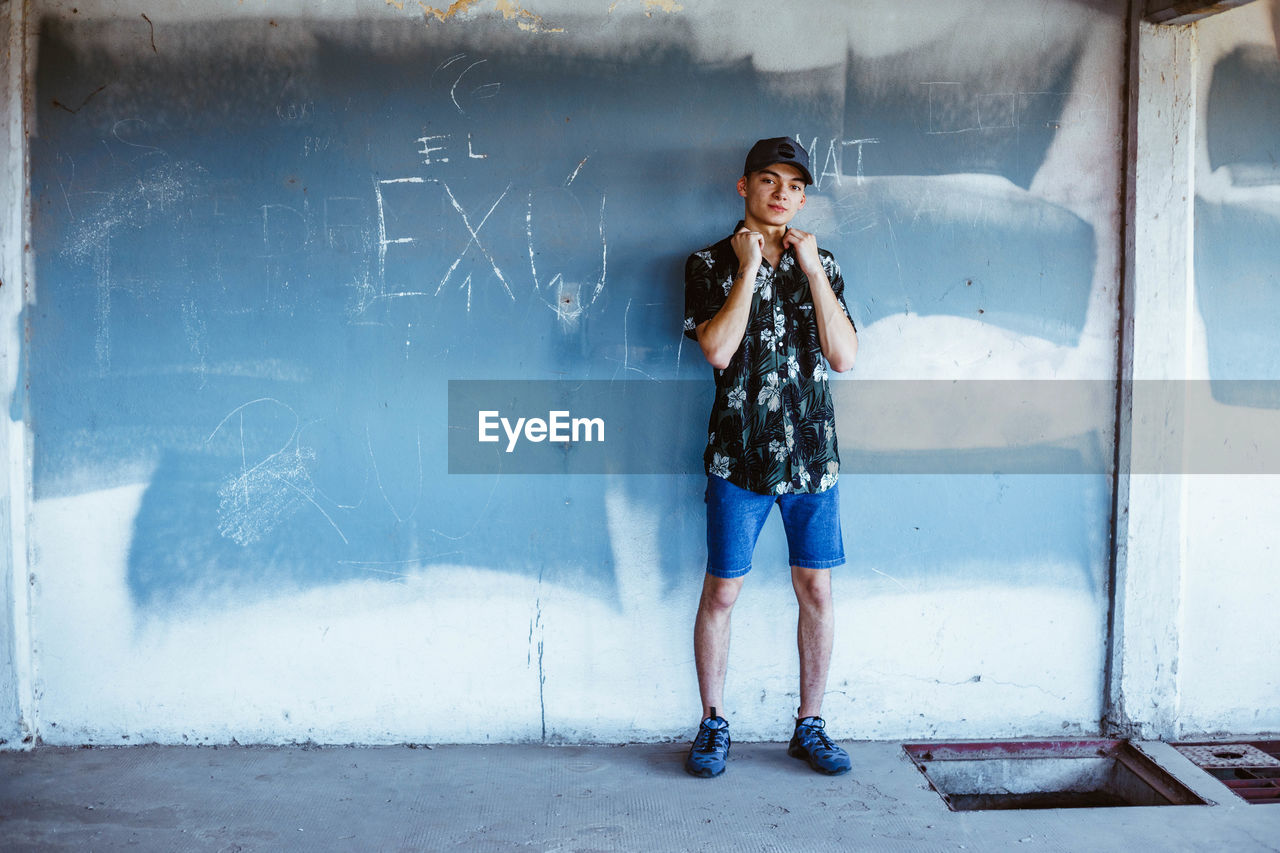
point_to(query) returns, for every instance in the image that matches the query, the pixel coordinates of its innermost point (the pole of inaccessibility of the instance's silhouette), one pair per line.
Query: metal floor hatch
(1251, 769)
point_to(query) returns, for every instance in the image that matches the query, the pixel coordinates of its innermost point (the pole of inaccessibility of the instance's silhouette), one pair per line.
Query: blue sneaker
(811, 743)
(710, 748)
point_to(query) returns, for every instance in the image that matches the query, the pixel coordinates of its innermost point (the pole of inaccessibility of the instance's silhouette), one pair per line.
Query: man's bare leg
(815, 632)
(711, 639)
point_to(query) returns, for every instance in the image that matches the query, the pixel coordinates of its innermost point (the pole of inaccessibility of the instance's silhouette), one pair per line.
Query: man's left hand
(805, 245)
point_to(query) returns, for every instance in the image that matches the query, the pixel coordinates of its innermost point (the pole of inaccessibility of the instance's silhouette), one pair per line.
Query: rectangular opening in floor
(1251, 769)
(1046, 775)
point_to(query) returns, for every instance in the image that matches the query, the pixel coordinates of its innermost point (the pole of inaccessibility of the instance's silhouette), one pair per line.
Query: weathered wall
(16, 723)
(252, 285)
(1230, 579)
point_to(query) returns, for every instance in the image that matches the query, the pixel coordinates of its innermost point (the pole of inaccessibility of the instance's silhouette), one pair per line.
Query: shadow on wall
(1238, 240)
(264, 252)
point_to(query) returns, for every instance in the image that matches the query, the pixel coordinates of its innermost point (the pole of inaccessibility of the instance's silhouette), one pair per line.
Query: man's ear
(803, 199)
(742, 186)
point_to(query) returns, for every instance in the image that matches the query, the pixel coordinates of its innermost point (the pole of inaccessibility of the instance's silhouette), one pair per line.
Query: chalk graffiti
(148, 199)
(312, 145)
(568, 292)
(482, 92)
(417, 500)
(284, 229)
(295, 111)
(473, 230)
(568, 298)
(953, 107)
(832, 155)
(261, 496)
(430, 147)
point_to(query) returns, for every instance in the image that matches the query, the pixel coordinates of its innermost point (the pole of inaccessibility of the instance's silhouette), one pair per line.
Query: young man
(767, 307)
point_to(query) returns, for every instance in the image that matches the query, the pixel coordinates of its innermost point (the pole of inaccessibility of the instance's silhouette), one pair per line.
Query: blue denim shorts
(735, 517)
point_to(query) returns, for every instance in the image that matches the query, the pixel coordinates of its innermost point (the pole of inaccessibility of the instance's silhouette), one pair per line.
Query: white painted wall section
(1150, 523)
(1231, 584)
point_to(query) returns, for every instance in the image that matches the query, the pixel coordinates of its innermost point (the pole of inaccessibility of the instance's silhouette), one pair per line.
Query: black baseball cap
(780, 149)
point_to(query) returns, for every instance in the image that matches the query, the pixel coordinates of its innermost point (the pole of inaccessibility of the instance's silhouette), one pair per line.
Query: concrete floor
(540, 798)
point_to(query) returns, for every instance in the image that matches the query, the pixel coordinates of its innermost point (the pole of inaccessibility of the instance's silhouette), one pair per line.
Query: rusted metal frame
(1249, 791)
(1185, 11)
(1148, 771)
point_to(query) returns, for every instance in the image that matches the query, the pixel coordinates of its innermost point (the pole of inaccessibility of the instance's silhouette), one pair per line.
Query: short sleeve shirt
(772, 427)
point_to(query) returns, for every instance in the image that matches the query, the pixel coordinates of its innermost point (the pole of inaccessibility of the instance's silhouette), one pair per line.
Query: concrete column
(17, 704)
(1157, 310)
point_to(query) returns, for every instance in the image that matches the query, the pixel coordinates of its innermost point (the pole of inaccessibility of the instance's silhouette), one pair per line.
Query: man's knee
(720, 594)
(813, 586)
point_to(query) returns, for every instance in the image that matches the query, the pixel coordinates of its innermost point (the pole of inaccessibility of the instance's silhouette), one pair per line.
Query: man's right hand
(721, 336)
(749, 247)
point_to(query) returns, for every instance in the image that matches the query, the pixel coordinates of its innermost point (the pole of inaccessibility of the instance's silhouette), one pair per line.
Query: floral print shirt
(772, 428)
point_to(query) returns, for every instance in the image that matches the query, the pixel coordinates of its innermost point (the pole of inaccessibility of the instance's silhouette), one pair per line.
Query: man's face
(774, 194)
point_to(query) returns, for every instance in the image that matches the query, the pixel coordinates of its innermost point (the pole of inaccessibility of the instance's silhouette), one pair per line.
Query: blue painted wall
(1238, 237)
(259, 269)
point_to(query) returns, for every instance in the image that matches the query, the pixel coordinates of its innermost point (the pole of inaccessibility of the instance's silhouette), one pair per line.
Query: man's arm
(836, 335)
(721, 336)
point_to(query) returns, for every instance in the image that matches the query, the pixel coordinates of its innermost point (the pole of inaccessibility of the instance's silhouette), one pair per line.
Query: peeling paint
(651, 6)
(444, 14)
(525, 20)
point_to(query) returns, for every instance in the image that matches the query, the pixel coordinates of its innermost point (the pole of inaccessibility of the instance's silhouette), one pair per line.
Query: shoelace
(708, 739)
(818, 732)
